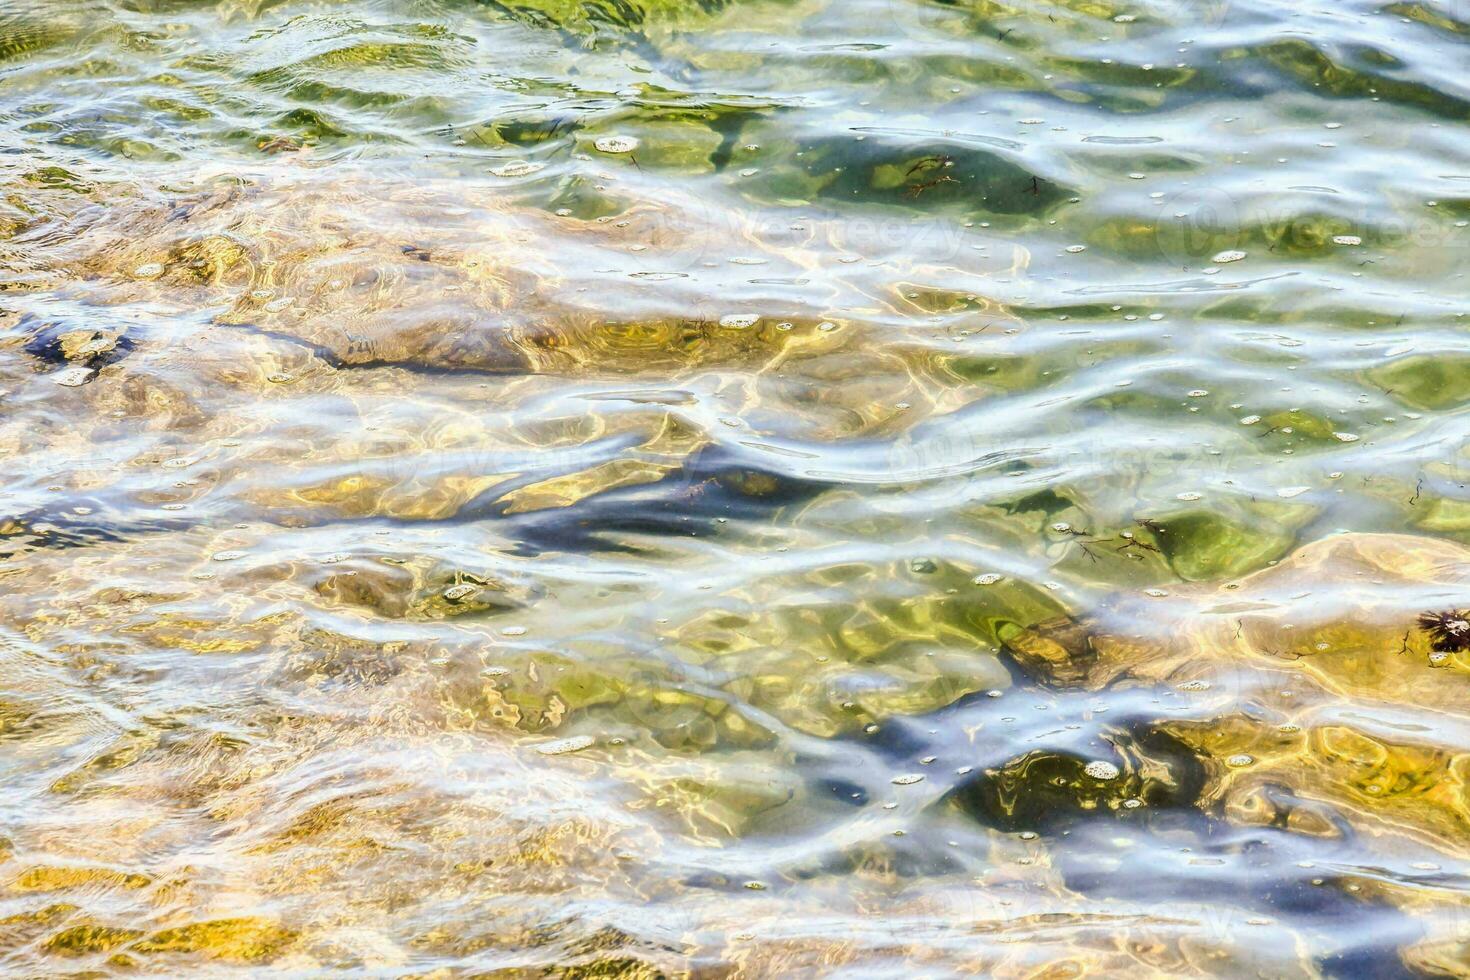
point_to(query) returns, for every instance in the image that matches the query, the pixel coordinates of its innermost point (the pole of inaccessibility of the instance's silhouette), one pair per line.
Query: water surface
(877, 488)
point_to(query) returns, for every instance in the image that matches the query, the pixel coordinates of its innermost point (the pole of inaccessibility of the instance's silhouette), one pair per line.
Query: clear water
(879, 488)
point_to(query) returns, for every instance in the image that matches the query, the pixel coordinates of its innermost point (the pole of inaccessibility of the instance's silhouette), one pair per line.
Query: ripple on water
(640, 489)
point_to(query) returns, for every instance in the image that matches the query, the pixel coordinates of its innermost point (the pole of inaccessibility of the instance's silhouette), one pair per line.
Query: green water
(890, 488)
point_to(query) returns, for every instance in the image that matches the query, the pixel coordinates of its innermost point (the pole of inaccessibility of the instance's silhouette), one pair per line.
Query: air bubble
(518, 168)
(616, 144)
(562, 746)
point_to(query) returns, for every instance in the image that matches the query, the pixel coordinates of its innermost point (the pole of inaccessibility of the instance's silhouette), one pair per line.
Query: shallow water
(884, 488)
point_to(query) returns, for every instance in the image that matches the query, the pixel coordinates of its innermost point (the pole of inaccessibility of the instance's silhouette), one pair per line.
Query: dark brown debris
(1449, 631)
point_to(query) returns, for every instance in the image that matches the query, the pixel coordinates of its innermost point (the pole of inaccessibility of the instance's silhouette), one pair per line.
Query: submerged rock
(1316, 674)
(62, 341)
(1050, 790)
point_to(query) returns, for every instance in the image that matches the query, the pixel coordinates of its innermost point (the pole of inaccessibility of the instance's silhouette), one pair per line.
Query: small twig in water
(918, 189)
